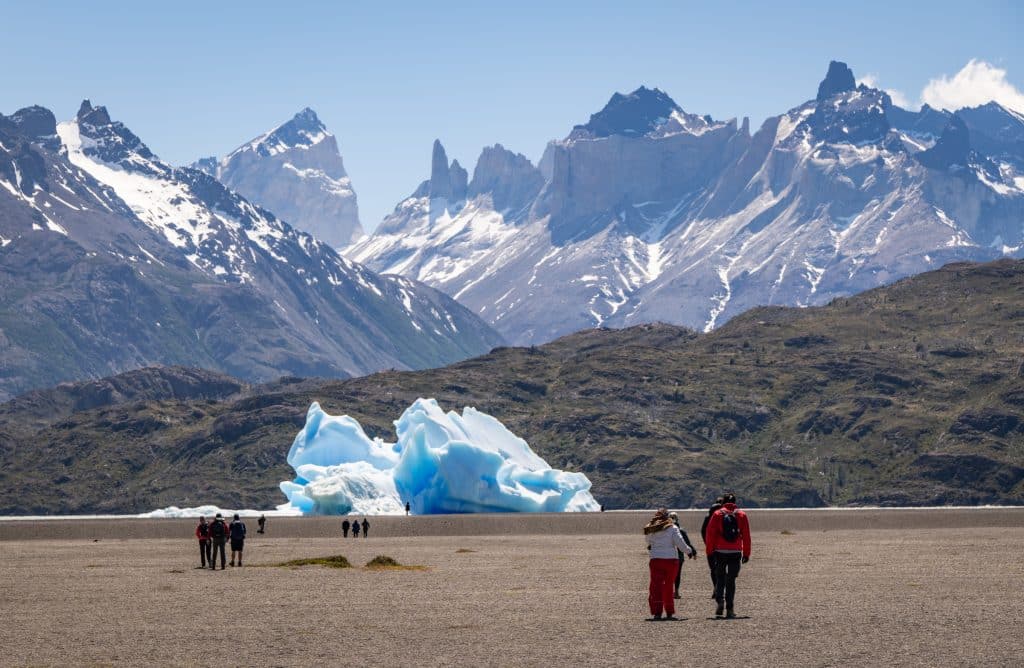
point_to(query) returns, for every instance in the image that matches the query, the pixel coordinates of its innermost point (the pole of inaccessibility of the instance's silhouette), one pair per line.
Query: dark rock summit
(35, 122)
(636, 114)
(113, 143)
(952, 150)
(839, 79)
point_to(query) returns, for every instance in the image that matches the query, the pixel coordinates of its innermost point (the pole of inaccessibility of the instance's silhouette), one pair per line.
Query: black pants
(679, 570)
(204, 553)
(217, 545)
(344, 533)
(711, 567)
(727, 567)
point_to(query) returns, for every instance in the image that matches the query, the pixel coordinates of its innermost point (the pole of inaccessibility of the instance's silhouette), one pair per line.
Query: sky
(194, 79)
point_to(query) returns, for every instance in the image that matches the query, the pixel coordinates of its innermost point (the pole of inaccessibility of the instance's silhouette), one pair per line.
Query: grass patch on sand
(334, 561)
(464, 550)
(382, 562)
(786, 532)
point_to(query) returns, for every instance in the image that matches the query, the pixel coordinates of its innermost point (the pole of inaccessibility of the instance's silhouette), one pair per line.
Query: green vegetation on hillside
(910, 394)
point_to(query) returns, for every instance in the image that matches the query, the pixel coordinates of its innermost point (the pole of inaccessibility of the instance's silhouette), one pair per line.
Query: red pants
(663, 577)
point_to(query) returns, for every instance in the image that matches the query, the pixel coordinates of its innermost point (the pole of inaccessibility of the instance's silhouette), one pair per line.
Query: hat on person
(219, 516)
(673, 515)
(659, 522)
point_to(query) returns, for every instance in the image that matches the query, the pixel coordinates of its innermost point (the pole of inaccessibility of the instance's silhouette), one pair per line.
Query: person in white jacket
(664, 542)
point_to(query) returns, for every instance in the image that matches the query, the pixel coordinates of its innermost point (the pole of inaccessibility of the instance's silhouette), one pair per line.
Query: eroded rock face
(296, 171)
(509, 178)
(649, 213)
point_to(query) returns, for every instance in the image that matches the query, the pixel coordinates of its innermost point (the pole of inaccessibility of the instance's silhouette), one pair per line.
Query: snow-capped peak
(303, 131)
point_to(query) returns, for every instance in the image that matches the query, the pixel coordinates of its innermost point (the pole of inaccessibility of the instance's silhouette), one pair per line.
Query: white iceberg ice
(283, 510)
(442, 463)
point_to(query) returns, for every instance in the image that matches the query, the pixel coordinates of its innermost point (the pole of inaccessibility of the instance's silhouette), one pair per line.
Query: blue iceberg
(442, 463)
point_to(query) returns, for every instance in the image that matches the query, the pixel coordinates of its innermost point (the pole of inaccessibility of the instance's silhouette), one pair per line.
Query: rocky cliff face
(648, 213)
(296, 171)
(111, 259)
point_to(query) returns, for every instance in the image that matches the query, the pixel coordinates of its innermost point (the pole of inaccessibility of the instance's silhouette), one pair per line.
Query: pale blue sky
(194, 79)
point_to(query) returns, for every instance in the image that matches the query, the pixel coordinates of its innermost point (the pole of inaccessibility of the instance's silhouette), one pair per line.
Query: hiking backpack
(237, 530)
(730, 527)
(217, 529)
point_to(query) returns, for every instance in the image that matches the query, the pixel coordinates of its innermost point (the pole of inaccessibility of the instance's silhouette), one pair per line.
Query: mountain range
(649, 213)
(111, 259)
(909, 394)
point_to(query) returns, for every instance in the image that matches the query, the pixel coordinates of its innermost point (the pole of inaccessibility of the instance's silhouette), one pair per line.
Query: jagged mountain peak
(838, 79)
(635, 113)
(296, 171)
(447, 180)
(952, 149)
(302, 131)
(113, 143)
(510, 178)
(34, 122)
(307, 117)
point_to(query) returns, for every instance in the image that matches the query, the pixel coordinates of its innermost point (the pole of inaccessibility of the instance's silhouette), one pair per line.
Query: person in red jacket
(203, 534)
(728, 542)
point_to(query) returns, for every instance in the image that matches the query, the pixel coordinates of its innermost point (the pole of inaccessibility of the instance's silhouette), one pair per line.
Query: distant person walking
(262, 521)
(728, 540)
(203, 534)
(366, 528)
(664, 542)
(406, 507)
(218, 536)
(355, 529)
(704, 537)
(344, 529)
(237, 531)
(680, 554)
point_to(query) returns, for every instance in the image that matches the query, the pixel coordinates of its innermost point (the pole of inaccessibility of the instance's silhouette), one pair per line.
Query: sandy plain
(824, 588)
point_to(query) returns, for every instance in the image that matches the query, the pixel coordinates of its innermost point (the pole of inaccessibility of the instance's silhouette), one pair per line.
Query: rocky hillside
(909, 394)
(648, 213)
(111, 259)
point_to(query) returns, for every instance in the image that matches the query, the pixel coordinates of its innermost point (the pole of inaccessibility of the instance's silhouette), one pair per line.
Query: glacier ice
(209, 510)
(442, 463)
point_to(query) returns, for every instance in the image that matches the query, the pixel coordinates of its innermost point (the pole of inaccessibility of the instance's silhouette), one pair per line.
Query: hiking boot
(656, 618)
(671, 618)
(719, 610)
(676, 595)
(232, 564)
(729, 614)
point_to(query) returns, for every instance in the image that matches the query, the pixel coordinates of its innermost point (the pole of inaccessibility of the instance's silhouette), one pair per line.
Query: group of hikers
(725, 532)
(346, 525)
(214, 535)
(726, 536)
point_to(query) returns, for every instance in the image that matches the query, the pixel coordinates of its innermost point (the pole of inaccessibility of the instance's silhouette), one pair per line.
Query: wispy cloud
(977, 83)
